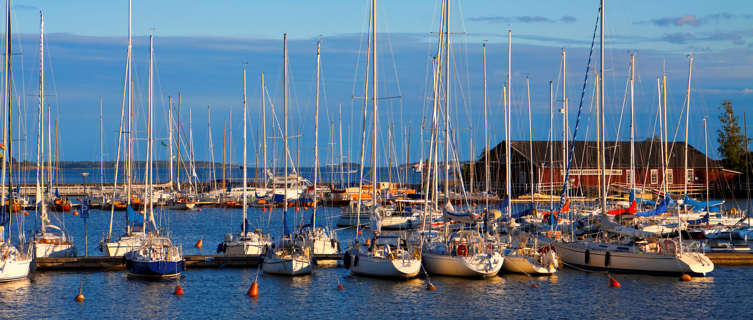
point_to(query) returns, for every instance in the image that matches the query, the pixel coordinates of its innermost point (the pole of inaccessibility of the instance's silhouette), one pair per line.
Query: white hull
(54, 250)
(124, 245)
(383, 267)
(526, 265)
(574, 254)
(474, 266)
(13, 266)
(288, 265)
(240, 248)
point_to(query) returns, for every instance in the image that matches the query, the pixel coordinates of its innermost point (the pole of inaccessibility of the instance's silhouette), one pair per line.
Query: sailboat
(385, 256)
(288, 256)
(667, 257)
(318, 240)
(463, 252)
(132, 239)
(157, 257)
(14, 264)
(245, 242)
(50, 240)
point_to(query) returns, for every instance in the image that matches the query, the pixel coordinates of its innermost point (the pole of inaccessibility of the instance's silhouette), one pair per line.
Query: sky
(202, 46)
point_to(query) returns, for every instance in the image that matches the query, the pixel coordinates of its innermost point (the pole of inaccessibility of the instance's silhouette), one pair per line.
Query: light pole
(85, 214)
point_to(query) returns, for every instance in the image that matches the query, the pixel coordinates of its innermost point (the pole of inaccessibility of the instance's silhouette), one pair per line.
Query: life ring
(462, 250)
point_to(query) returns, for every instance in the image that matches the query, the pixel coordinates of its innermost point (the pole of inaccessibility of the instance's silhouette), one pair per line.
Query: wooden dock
(731, 258)
(100, 263)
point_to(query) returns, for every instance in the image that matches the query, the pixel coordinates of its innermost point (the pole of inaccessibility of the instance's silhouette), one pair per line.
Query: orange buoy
(430, 287)
(253, 292)
(685, 277)
(368, 242)
(264, 209)
(26, 213)
(75, 213)
(297, 208)
(200, 210)
(178, 291)
(340, 286)
(534, 285)
(613, 283)
(79, 298)
(199, 244)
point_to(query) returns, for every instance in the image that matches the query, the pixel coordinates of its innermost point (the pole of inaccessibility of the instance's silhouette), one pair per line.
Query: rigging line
(619, 129)
(580, 109)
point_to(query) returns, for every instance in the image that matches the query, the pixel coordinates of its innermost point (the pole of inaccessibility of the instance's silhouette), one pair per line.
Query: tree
(731, 141)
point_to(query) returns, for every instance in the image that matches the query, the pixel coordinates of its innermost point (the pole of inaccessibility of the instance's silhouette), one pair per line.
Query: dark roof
(647, 154)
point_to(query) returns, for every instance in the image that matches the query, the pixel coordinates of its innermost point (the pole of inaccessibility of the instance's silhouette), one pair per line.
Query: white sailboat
(382, 258)
(245, 242)
(664, 258)
(14, 264)
(288, 257)
(50, 240)
(131, 239)
(318, 240)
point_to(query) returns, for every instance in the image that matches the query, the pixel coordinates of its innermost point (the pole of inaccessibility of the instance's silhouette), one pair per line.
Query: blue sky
(200, 46)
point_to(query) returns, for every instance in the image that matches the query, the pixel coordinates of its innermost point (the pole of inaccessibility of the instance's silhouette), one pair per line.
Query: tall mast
(285, 122)
(508, 167)
(101, 151)
(129, 156)
(245, 183)
(706, 159)
(180, 132)
(632, 121)
(170, 137)
(551, 146)
(363, 131)
(264, 127)
(40, 141)
(685, 171)
(212, 175)
(447, 102)
(224, 152)
(340, 135)
(603, 107)
(7, 139)
(316, 134)
(661, 130)
(665, 159)
(374, 105)
(150, 103)
(486, 140)
(563, 111)
(530, 137)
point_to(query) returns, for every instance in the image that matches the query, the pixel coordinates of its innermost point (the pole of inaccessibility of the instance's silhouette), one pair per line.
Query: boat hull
(54, 250)
(14, 269)
(382, 267)
(287, 266)
(475, 266)
(123, 246)
(526, 265)
(590, 258)
(154, 269)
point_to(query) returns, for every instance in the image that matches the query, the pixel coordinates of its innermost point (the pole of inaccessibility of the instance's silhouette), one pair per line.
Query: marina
(529, 190)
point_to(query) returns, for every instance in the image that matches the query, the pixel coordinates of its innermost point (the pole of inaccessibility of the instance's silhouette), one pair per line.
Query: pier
(102, 263)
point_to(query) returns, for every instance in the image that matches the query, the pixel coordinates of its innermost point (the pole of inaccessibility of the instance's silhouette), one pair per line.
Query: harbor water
(221, 293)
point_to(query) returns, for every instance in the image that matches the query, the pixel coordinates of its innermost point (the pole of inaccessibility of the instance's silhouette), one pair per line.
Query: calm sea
(220, 293)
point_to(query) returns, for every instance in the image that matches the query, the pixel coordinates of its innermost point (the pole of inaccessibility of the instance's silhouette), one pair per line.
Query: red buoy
(200, 210)
(253, 292)
(75, 213)
(685, 277)
(613, 283)
(26, 213)
(79, 298)
(199, 244)
(534, 285)
(340, 286)
(178, 291)
(430, 287)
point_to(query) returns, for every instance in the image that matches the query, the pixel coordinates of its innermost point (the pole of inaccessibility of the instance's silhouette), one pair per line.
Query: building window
(670, 179)
(654, 176)
(690, 175)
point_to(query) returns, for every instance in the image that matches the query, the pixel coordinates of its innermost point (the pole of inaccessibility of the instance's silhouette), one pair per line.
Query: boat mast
(264, 127)
(40, 141)
(245, 183)
(685, 171)
(563, 111)
(285, 124)
(180, 132)
(129, 156)
(150, 103)
(316, 135)
(170, 137)
(508, 167)
(632, 122)
(447, 102)
(603, 107)
(224, 152)
(374, 106)
(363, 130)
(706, 159)
(101, 152)
(7, 137)
(551, 148)
(340, 125)
(212, 175)
(530, 138)
(486, 140)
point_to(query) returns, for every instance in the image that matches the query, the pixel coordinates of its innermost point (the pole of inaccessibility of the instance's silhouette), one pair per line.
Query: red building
(584, 171)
